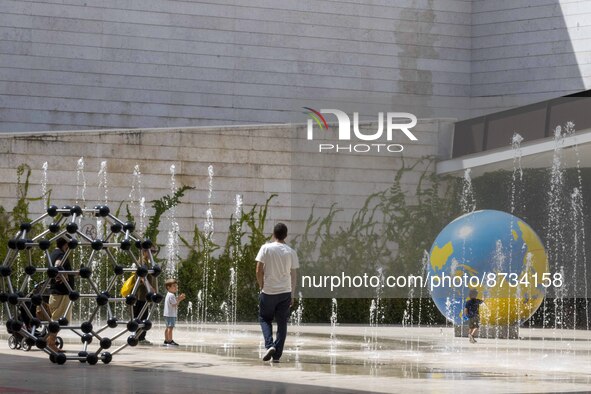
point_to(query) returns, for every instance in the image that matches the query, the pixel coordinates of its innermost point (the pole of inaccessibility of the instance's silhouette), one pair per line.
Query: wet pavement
(217, 358)
(22, 374)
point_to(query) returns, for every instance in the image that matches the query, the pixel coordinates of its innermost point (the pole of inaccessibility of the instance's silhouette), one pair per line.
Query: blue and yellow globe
(491, 245)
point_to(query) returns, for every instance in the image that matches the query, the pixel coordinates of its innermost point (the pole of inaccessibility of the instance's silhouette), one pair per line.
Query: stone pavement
(216, 359)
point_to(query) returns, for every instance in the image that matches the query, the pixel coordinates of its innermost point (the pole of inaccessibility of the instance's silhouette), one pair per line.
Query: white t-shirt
(278, 259)
(170, 305)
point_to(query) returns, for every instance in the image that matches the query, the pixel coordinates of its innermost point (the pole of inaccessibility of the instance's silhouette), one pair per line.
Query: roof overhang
(536, 154)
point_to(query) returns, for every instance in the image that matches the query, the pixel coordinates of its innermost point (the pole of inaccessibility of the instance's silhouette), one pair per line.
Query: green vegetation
(385, 220)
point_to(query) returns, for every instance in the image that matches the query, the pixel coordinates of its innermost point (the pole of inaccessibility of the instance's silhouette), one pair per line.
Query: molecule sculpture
(28, 314)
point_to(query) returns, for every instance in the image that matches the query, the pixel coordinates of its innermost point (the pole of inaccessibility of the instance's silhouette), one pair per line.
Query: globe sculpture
(118, 253)
(495, 253)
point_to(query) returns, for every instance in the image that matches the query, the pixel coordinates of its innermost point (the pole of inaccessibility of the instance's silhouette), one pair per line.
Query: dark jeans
(137, 308)
(276, 307)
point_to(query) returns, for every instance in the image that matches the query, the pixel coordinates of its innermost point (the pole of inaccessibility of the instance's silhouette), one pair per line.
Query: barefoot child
(170, 310)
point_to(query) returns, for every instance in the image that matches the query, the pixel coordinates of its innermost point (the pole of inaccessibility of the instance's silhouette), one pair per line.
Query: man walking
(276, 275)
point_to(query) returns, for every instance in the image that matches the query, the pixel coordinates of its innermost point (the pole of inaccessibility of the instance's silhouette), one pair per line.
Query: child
(471, 310)
(170, 310)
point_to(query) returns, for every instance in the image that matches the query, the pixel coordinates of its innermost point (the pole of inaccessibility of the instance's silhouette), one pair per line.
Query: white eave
(535, 154)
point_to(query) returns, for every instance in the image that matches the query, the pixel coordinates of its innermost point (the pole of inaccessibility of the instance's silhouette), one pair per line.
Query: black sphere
(12, 244)
(149, 296)
(72, 227)
(61, 358)
(25, 226)
(52, 272)
(105, 343)
(125, 244)
(97, 244)
(130, 299)
(30, 270)
(30, 342)
(35, 322)
(104, 211)
(44, 244)
(102, 299)
(157, 298)
(85, 272)
(17, 325)
(106, 357)
(86, 338)
(157, 271)
(147, 244)
(67, 208)
(112, 322)
(9, 325)
(3, 297)
(21, 244)
(129, 226)
(132, 340)
(52, 357)
(86, 327)
(141, 271)
(147, 325)
(116, 227)
(36, 299)
(73, 243)
(132, 326)
(83, 356)
(76, 210)
(74, 296)
(5, 271)
(54, 228)
(52, 210)
(63, 321)
(41, 343)
(53, 327)
(92, 359)
(13, 299)
(118, 270)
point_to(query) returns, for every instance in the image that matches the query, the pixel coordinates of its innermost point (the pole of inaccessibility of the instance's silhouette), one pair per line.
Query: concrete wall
(252, 161)
(89, 64)
(525, 51)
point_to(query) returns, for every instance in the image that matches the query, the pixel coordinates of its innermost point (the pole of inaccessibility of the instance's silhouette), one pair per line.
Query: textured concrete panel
(138, 63)
(254, 162)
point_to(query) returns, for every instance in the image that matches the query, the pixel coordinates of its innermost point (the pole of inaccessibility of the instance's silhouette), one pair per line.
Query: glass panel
(567, 109)
(528, 121)
(468, 137)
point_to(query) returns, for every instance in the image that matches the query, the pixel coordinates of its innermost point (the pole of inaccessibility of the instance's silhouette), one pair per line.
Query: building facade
(89, 64)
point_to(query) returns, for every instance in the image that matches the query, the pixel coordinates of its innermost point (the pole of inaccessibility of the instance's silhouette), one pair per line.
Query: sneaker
(471, 338)
(145, 342)
(275, 360)
(173, 343)
(166, 343)
(269, 354)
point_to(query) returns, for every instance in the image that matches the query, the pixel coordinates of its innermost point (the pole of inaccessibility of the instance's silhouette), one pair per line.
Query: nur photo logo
(396, 123)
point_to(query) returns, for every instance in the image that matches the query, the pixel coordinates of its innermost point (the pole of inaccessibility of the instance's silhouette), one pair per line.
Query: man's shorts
(170, 321)
(474, 322)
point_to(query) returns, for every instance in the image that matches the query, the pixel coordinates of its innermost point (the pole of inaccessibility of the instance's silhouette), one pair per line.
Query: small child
(170, 310)
(471, 311)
